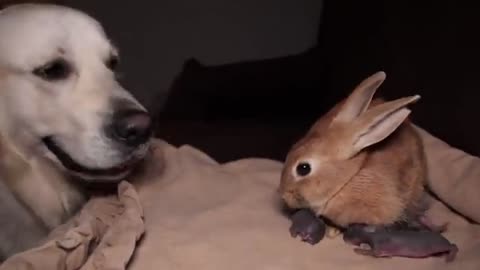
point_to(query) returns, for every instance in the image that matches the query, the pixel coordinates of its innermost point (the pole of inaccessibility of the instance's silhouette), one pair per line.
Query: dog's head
(59, 96)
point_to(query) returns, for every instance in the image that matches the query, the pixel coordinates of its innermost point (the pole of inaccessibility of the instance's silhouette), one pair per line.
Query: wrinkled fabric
(102, 236)
(453, 175)
(203, 215)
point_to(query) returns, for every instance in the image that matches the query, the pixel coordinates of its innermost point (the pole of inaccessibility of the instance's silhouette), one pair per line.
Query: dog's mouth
(70, 164)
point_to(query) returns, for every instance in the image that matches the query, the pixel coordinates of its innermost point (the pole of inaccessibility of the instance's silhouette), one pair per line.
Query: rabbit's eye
(303, 169)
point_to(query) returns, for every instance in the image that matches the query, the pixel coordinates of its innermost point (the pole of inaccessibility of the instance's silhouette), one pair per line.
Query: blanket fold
(102, 236)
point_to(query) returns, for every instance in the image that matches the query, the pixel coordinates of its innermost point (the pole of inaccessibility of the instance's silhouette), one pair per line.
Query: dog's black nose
(132, 127)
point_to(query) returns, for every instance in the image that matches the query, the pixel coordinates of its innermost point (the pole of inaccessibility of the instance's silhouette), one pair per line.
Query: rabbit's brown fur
(380, 184)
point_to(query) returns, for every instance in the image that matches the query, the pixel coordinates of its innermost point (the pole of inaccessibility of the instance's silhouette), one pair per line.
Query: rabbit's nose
(292, 199)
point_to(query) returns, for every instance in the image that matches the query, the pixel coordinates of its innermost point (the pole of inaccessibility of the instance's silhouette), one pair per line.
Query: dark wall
(426, 47)
(156, 37)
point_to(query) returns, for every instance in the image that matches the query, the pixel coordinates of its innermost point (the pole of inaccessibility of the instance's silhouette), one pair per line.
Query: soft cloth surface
(102, 236)
(203, 215)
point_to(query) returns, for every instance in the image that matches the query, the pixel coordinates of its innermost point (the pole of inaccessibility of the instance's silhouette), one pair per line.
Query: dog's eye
(112, 62)
(56, 70)
(303, 169)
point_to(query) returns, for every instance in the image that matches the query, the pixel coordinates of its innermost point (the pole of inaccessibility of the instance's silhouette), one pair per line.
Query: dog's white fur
(37, 193)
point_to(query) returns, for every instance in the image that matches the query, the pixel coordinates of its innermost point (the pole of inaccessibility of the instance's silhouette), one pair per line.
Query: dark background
(247, 78)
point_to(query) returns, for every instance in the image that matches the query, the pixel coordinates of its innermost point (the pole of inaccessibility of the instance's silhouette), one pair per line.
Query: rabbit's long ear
(379, 122)
(358, 101)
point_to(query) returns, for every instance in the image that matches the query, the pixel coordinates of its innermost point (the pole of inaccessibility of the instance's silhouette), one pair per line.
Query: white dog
(64, 119)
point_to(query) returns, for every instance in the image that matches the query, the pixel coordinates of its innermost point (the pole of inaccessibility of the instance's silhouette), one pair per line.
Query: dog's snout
(132, 127)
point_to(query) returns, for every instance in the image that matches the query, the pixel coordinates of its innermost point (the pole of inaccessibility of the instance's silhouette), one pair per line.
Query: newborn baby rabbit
(361, 163)
(388, 242)
(402, 240)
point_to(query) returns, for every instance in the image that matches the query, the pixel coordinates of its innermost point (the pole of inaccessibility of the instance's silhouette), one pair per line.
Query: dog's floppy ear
(359, 100)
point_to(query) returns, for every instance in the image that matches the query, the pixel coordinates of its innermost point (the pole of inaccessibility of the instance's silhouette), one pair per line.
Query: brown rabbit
(362, 162)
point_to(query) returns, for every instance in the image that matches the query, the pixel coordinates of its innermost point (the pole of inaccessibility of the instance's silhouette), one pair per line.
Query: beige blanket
(203, 215)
